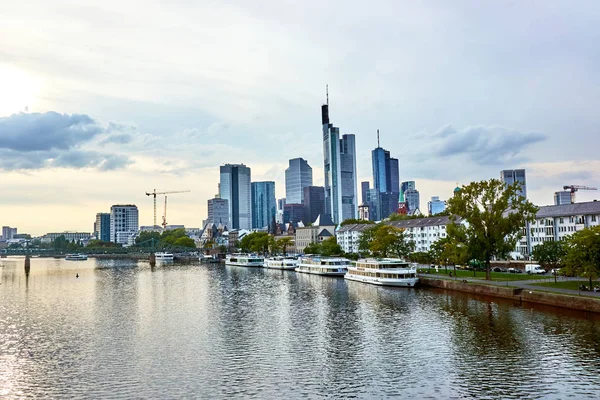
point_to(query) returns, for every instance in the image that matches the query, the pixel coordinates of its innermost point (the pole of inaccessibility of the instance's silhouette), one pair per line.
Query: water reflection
(124, 329)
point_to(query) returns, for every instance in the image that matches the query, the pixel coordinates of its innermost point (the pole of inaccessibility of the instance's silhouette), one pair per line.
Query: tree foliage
(550, 253)
(583, 253)
(256, 242)
(284, 243)
(354, 221)
(385, 241)
(495, 215)
(328, 247)
(166, 239)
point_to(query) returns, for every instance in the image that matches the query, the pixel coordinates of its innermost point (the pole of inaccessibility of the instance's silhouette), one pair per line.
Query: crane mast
(153, 193)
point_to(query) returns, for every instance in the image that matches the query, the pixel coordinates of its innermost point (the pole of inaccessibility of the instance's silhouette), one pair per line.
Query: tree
(185, 241)
(330, 247)
(147, 239)
(583, 253)
(313, 248)
(385, 240)
(284, 243)
(436, 251)
(495, 215)
(550, 253)
(256, 242)
(354, 221)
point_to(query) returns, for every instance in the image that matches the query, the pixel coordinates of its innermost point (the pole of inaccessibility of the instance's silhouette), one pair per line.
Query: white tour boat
(323, 266)
(76, 257)
(383, 271)
(280, 262)
(164, 256)
(244, 260)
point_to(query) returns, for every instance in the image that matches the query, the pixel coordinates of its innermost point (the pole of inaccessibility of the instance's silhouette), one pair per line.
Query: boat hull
(239, 264)
(411, 282)
(323, 273)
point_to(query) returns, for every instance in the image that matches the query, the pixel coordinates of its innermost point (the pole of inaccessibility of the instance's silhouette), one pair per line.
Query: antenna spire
(327, 93)
(378, 138)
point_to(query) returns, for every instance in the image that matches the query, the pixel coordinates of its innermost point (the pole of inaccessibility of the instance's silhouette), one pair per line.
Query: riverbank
(519, 294)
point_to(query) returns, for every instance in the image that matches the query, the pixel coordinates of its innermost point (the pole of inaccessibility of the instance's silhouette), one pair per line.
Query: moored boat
(323, 266)
(384, 272)
(164, 256)
(280, 262)
(244, 260)
(76, 257)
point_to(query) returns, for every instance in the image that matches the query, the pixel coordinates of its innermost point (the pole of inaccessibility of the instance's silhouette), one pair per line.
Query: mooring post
(27, 264)
(152, 259)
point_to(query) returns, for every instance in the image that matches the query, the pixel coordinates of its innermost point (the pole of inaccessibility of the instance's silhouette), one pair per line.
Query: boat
(323, 266)
(164, 256)
(384, 272)
(244, 260)
(76, 257)
(204, 258)
(280, 262)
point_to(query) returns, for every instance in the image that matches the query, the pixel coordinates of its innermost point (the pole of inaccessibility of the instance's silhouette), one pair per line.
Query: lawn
(496, 276)
(573, 285)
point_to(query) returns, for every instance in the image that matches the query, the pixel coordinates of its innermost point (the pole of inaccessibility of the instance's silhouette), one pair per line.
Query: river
(125, 330)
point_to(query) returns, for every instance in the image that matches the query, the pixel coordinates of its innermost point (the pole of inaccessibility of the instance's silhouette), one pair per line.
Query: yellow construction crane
(154, 193)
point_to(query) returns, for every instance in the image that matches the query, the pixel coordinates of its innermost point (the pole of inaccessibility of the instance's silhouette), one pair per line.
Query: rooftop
(587, 208)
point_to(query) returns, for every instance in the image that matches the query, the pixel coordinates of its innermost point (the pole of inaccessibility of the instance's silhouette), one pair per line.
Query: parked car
(498, 269)
(514, 271)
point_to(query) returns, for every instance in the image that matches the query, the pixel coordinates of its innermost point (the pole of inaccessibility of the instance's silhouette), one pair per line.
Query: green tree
(583, 253)
(436, 251)
(284, 243)
(385, 240)
(330, 247)
(147, 239)
(354, 221)
(185, 241)
(60, 243)
(257, 242)
(313, 248)
(495, 215)
(550, 254)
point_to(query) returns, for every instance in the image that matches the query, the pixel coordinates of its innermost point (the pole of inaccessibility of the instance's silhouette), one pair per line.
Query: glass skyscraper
(264, 206)
(102, 227)
(297, 177)
(235, 187)
(386, 180)
(510, 176)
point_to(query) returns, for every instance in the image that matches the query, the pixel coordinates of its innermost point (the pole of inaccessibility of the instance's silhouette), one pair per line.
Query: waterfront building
(314, 203)
(339, 159)
(235, 187)
(69, 236)
(562, 197)
(264, 207)
(218, 212)
(321, 229)
(293, 213)
(8, 232)
(435, 206)
(297, 176)
(102, 227)
(510, 176)
(124, 223)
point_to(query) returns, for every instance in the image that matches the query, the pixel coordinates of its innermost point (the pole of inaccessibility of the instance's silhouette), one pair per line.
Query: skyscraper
(314, 203)
(410, 195)
(510, 176)
(235, 187)
(124, 223)
(218, 212)
(562, 197)
(102, 227)
(8, 232)
(264, 207)
(364, 187)
(297, 177)
(339, 159)
(385, 180)
(435, 206)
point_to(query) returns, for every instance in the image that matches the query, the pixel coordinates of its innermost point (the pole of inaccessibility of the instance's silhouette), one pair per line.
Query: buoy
(27, 265)
(77, 276)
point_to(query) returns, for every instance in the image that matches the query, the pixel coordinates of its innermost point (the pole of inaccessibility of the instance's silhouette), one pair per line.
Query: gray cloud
(485, 145)
(44, 140)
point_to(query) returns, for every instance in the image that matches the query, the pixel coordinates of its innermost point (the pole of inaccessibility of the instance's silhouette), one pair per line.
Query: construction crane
(164, 223)
(575, 188)
(154, 193)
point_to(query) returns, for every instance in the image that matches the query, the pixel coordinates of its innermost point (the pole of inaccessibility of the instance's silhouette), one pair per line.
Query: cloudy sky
(101, 101)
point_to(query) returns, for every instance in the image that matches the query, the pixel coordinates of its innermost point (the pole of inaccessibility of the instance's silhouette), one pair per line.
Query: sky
(102, 101)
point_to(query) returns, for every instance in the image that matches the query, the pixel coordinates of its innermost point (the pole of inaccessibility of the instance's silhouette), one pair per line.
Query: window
(561, 220)
(593, 218)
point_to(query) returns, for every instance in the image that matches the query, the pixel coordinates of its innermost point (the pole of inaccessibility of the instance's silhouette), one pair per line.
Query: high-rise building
(264, 207)
(407, 185)
(280, 205)
(388, 204)
(562, 197)
(385, 180)
(373, 201)
(510, 176)
(339, 159)
(8, 232)
(218, 212)
(297, 177)
(235, 187)
(435, 206)
(293, 213)
(364, 187)
(413, 200)
(314, 203)
(124, 223)
(102, 227)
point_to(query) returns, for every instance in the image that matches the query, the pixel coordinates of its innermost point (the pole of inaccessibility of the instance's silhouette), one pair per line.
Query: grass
(496, 276)
(573, 285)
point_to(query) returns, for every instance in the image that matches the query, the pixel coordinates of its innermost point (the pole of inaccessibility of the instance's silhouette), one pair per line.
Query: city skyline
(115, 129)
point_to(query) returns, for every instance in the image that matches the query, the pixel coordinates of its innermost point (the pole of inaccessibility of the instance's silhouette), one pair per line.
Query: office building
(339, 160)
(562, 197)
(364, 188)
(413, 200)
(373, 201)
(70, 237)
(235, 187)
(293, 213)
(436, 206)
(385, 180)
(297, 176)
(314, 203)
(264, 207)
(280, 205)
(124, 223)
(510, 176)
(8, 233)
(408, 185)
(102, 227)
(218, 212)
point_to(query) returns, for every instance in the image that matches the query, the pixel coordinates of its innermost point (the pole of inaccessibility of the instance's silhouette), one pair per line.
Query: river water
(124, 330)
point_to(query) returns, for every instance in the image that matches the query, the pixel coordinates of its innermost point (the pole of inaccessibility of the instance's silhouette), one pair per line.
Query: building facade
(124, 223)
(510, 176)
(314, 203)
(8, 233)
(364, 188)
(297, 176)
(264, 207)
(102, 227)
(218, 212)
(562, 197)
(322, 229)
(293, 213)
(69, 236)
(413, 200)
(235, 187)
(339, 159)
(436, 206)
